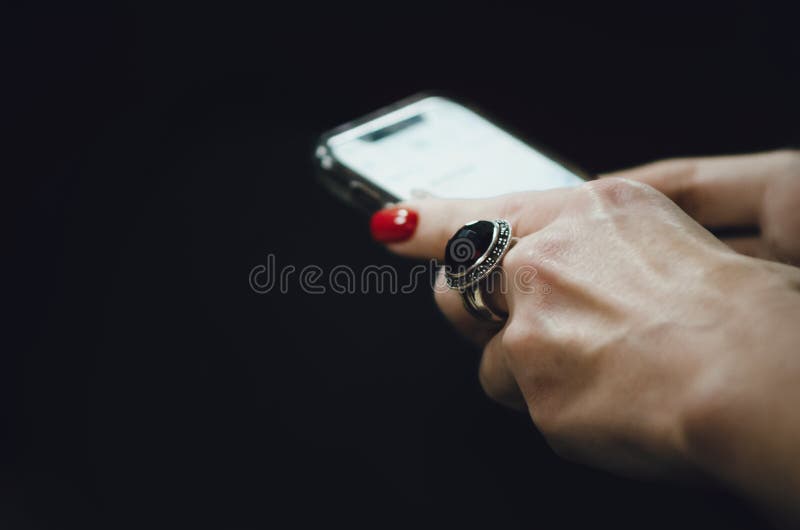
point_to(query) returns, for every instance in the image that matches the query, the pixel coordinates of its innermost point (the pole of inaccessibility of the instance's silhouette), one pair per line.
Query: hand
(641, 341)
(760, 191)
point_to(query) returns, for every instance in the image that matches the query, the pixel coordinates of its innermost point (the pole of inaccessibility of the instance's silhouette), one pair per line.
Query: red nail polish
(393, 225)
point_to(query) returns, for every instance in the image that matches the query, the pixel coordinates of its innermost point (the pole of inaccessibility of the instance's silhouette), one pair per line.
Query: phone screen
(435, 146)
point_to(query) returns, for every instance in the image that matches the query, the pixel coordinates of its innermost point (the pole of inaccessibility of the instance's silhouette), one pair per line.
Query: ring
(474, 252)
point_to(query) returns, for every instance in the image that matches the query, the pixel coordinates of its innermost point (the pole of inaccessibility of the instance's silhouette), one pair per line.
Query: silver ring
(474, 252)
(476, 305)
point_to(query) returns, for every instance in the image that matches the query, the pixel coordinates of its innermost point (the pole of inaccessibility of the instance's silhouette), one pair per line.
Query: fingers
(749, 246)
(438, 219)
(452, 306)
(495, 376)
(717, 191)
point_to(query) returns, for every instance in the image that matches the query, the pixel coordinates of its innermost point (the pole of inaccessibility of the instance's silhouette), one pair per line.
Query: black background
(157, 154)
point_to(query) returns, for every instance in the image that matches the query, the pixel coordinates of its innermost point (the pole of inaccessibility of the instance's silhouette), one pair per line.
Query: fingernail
(393, 225)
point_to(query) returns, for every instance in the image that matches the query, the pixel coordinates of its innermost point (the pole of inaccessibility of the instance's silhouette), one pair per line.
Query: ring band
(474, 252)
(476, 306)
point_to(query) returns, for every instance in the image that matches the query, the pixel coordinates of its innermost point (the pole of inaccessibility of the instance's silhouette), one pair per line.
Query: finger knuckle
(548, 421)
(488, 384)
(538, 254)
(518, 340)
(495, 378)
(550, 418)
(617, 192)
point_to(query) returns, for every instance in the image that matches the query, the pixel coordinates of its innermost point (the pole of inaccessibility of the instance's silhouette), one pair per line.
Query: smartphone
(431, 145)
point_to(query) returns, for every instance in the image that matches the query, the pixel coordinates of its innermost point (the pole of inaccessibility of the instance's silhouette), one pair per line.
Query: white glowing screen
(436, 146)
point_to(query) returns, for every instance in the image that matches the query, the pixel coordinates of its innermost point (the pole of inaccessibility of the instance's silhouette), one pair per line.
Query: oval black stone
(467, 245)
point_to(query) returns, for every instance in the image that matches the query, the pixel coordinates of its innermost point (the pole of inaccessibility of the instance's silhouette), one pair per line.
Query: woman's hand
(637, 341)
(758, 191)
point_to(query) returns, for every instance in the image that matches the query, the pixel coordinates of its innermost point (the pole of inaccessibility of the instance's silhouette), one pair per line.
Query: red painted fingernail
(393, 225)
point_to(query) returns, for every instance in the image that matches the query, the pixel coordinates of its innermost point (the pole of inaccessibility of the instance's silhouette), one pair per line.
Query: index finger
(438, 219)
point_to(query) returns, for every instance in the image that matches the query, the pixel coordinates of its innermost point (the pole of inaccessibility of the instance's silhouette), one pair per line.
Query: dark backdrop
(155, 155)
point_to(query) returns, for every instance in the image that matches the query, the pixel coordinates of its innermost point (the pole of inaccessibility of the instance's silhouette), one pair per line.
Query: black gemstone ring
(473, 253)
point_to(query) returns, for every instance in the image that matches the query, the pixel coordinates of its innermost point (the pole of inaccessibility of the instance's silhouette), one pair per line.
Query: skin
(639, 342)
